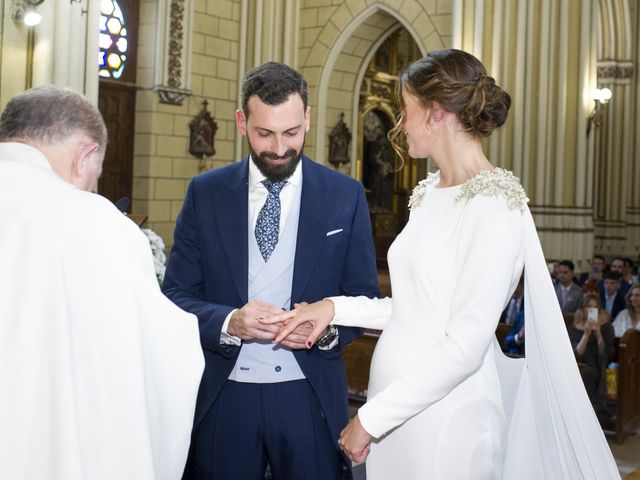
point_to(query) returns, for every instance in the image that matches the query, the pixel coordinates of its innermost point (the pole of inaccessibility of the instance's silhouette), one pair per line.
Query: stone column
(617, 188)
(543, 54)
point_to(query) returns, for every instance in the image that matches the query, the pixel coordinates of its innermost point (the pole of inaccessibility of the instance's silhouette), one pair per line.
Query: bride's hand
(318, 314)
(355, 441)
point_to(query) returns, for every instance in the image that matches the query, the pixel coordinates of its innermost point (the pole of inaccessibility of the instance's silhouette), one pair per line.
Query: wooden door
(117, 104)
(117, 101)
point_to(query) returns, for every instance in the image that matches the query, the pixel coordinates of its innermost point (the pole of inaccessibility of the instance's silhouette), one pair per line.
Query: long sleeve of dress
(488, 244)
(362, 312)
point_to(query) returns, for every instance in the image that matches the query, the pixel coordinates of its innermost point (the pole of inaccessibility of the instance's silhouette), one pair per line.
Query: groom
(253, 238)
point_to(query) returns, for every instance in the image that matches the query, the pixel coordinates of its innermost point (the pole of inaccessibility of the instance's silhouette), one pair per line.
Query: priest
(98, 370)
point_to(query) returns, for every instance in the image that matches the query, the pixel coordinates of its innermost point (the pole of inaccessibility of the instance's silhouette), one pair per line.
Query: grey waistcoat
(262, 361)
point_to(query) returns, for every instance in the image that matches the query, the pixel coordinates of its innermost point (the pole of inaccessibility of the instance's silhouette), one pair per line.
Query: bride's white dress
(444, 402)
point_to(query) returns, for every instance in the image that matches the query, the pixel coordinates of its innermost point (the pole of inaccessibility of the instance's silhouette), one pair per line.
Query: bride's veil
(552, 432)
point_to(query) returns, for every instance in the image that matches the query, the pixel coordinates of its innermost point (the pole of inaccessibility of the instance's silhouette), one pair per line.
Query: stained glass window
(113, 40)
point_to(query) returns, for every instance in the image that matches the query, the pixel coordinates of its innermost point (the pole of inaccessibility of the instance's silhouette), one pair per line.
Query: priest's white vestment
(99, 371)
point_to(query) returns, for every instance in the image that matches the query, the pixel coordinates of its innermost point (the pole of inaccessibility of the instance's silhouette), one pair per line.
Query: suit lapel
(312, 227)
(232, 206)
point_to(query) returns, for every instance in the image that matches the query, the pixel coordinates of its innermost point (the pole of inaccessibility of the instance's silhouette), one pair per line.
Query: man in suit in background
(612, 296)
(514, 341)
(617, 266)
(252, 238)
(515, 305)
(569, 293)
(595, 275)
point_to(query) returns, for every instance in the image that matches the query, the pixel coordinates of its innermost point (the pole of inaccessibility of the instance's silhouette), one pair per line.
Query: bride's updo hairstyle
(459, 83)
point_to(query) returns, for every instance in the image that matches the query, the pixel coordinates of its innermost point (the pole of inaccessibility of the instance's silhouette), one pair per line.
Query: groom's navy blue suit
(207, 273)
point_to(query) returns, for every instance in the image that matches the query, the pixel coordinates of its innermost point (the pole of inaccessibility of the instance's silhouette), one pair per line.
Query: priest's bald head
(64, 126)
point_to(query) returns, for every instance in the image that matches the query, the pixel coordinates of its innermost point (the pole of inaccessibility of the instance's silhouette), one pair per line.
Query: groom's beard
(276, 173)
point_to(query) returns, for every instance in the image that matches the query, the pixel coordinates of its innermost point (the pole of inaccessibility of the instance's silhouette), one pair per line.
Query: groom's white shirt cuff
(225, 337)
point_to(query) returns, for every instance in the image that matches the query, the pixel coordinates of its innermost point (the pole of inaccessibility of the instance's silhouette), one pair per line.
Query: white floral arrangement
(157, 249)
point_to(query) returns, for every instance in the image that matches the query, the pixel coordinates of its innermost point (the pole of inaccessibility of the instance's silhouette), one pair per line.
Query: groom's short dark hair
(273, 83)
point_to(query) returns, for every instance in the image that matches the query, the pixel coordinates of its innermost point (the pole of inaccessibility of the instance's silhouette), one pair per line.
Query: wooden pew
(502, 330)
(357, 362)
(357, 356)
(627, 403)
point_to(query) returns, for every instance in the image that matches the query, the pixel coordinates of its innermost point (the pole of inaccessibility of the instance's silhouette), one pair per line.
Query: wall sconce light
(601, 97)
(26, 14)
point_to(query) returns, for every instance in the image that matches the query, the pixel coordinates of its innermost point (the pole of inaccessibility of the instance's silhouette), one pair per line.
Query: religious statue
(202, 134)
(339, 140)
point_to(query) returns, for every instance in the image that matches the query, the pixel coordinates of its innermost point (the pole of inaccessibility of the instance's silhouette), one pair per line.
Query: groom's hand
(245, 322)
(318, 315)
(297, 339)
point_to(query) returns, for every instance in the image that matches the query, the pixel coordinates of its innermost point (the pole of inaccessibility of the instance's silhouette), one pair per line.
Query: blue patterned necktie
(268, 223)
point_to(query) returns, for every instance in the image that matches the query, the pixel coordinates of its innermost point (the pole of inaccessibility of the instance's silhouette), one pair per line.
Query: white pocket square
(333, 232)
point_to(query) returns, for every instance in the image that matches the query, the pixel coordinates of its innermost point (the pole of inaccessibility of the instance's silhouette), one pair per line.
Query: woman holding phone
(592, 338)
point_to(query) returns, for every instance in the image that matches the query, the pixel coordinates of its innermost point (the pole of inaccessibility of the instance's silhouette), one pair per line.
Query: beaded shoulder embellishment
(490, 183)
(415, 200)
(494, 183)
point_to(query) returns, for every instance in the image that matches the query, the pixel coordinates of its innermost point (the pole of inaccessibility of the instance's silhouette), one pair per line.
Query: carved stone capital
(614, 71)
(171, 96)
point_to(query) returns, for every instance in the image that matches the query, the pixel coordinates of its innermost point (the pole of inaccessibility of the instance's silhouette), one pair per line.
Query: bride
(444, 402)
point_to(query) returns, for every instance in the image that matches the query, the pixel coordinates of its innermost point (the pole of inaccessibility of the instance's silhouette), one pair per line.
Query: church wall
(633, 198)
(549, 55)
(543, 54)
(616, 204)
(329, 47)
(13, 55)
(55, 52)
(308, 35)
(162, 163)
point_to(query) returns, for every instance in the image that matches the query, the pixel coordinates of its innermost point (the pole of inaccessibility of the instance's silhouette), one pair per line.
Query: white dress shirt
(608, 302)
(258, 193)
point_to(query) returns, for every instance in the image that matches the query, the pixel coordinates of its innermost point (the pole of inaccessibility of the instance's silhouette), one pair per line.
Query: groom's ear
(241, 122)
(307, 119)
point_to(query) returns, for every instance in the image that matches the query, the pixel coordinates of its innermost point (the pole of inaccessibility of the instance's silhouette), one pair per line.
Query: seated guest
(611, 294)
(595, 274)
(569, 293)
(629, 317)
(617, 265)
(553, 270)
(592, 339)
(514, 341)
(629, 272)
(99, 371)
(589, 289)
(515, 305)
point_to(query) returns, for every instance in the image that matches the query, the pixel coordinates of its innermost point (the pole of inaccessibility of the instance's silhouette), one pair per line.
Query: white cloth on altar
(99, 371)
(444, 401)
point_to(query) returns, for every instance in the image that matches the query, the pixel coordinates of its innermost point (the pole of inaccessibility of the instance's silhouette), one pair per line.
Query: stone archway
(334, 65)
